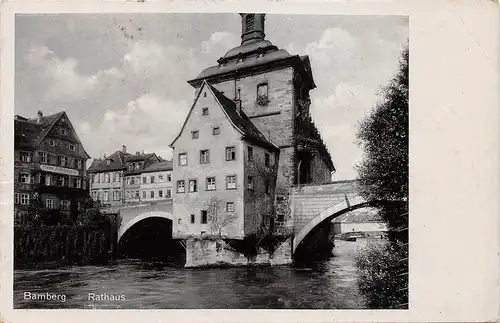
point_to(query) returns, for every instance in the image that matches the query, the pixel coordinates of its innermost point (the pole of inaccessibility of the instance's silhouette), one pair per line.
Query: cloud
(148, 123)
(220, 40)
(335, 45)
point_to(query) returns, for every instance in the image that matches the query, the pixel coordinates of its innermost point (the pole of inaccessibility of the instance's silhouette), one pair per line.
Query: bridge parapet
(310, 200)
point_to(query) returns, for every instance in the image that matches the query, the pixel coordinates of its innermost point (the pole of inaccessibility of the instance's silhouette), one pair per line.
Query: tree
(383, 175)
(383, 135)
(218, 220)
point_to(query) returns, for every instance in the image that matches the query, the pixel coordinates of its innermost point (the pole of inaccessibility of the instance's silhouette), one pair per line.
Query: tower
(252, 27)
(273, 88)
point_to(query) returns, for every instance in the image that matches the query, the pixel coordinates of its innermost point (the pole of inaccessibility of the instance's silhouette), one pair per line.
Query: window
(250, 22)
(180, 187)
(25, 199)
(25, 178)
(136, 194)
(152, 178)
(210, 183)
(195, 134)
(250, 153)
(152, 194)
(193, 187)
(231, 182)
(262, 94)
(183, 159)
(137, 166)
(106, 196)
(49, 203)
(107, 178)
(16, 198)
(26, 157)
(116, 195)
(230, 206)
(169, 178)
(250, 182)
(96, 178)
(71, 147)
(267, 160)
(52, 143)
(267, 187)
(63, 131)
(131, 180)
(204, 157)
(115, 177)
(130, 167)
(108, 162)
(192, 218)
(62, 160)
(230, 153)
(144, 194)
(168, 193)
(204, 111)
(160, 193)
(144, 180)
(179, 221)
(65, 205)
(78, 163)
(204, 217)
(78, 182)
(48, 180)
(61, 181)
(216, 131)
(160, 178)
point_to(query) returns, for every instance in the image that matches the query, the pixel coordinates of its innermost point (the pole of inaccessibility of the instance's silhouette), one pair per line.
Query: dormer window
(108, 162)
(137, 166)
(205, 111)
(63, 131)
(130, 167)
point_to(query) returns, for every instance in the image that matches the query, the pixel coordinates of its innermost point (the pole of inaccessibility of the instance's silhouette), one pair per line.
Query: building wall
(104, 186)
(132, 188)
(160, 184)
(276, 120)
(75, 195)
(187, 203)
(320, 171)
(258, 202)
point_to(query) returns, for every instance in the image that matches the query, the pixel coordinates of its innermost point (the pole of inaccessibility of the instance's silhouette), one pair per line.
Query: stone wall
(210, 253)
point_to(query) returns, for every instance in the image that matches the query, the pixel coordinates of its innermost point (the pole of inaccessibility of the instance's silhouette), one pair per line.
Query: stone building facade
(273, 87)
(156, 182)
(49, 164)
(221, 157)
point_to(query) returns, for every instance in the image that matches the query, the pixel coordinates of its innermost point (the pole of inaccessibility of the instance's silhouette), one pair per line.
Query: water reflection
(325, 284)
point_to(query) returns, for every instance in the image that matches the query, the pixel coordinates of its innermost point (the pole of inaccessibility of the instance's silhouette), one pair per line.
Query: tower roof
(253, 54)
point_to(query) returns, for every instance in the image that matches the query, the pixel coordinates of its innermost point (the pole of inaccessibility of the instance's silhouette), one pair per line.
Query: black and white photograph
(211, 161)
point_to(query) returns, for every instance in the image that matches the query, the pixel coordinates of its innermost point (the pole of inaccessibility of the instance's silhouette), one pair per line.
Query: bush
(382, 276)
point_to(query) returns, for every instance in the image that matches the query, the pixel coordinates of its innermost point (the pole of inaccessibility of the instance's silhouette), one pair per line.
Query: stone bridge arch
(347, 205)
(146, 215)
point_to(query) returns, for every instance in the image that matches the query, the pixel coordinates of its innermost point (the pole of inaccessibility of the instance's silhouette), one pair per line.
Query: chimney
(104, 156)
(39, 116)
(124, 149)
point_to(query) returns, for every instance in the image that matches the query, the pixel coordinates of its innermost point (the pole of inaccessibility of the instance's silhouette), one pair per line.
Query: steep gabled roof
(239, 120)
(29, 133)
(116, 162)
(135, 158)
(159, 166)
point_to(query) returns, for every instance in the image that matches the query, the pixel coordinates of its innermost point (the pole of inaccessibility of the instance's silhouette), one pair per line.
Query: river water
(329, 284)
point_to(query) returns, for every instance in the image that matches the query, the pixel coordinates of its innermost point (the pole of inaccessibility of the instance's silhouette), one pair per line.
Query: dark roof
(29, 133)
(116, 162)
(159, 166)
(135, 158)
(241, 121)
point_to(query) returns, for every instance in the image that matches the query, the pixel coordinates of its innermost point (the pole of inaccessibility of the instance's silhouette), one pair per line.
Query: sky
(122, 79)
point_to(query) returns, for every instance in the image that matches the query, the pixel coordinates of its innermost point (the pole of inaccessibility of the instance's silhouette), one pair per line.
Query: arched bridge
(133, 214)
